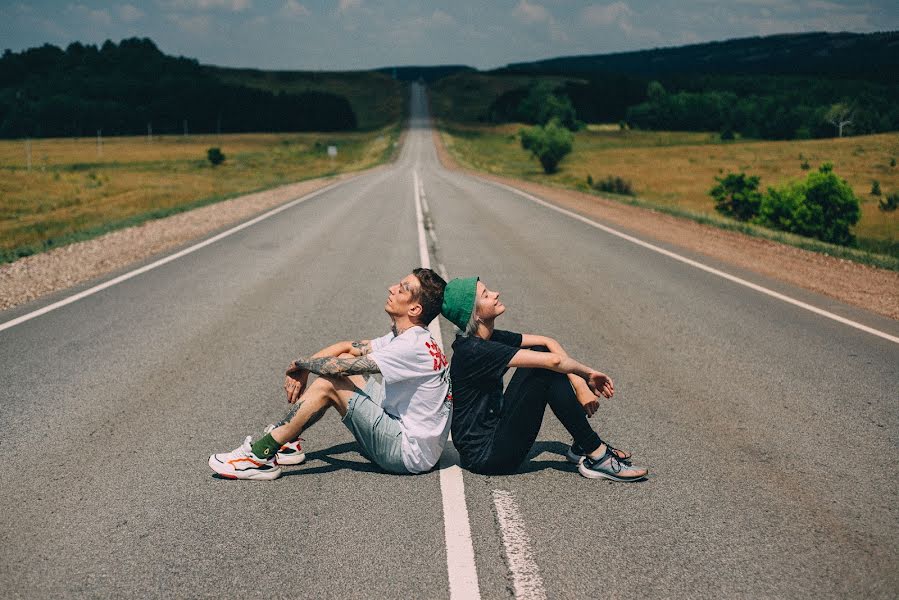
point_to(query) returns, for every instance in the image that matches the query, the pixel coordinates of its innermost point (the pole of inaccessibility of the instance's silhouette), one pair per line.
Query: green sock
(266, 447)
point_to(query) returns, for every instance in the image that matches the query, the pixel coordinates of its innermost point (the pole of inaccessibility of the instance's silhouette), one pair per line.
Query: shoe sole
(290, 459)
(228, 472)
(591, 474)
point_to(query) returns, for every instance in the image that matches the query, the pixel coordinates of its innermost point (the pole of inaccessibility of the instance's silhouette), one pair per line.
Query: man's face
(400, 297)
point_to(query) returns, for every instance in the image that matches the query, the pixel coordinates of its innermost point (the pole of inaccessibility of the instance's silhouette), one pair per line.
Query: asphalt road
(771, 433)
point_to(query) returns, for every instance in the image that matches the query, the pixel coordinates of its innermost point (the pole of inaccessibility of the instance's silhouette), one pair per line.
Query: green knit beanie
(458, 300)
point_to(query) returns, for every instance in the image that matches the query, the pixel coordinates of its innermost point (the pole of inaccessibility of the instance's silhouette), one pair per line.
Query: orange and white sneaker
(290, 453)
(241, 463)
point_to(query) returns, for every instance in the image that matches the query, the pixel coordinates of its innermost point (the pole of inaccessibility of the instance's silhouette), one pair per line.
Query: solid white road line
(463, 574)
(525, 575)
(162, 261)
(699, 265)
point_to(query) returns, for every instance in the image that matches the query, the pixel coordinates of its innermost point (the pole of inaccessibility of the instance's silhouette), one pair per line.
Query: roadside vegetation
(675, 171)
(76, 189)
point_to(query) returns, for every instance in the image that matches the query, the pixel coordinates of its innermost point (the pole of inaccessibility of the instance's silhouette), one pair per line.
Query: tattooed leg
(324, 393)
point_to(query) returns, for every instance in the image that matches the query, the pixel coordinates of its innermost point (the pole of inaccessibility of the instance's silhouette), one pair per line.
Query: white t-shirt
(416, 381)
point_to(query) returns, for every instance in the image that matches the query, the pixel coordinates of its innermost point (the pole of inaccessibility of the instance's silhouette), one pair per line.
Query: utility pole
(149, 132)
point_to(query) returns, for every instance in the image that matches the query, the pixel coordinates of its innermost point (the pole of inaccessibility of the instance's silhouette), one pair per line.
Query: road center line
(463, 574)
(699, 265)
(525, 575)
(167, 259)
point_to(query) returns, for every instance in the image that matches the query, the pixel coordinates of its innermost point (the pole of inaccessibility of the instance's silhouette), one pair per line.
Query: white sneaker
(290, 453)
(241, 463)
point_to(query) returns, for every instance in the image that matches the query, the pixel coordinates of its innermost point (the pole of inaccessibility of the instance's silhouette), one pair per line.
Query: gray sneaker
(609, 467)
(575, 453)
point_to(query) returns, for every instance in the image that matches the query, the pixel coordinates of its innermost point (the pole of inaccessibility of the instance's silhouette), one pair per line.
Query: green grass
(67, 198)
(672, 172)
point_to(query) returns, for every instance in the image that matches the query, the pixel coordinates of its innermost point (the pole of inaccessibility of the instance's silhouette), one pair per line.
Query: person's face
(400, 298)
(487, 305)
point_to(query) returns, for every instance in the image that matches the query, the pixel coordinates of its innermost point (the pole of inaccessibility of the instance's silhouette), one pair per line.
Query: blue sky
(359, 34)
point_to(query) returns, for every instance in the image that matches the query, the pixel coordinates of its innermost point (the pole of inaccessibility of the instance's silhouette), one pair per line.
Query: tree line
(130, 87)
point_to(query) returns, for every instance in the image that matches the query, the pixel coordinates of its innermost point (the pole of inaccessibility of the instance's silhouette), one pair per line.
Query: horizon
(359, 35)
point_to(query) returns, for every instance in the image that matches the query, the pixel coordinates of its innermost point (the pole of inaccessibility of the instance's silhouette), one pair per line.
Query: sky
(363, 34)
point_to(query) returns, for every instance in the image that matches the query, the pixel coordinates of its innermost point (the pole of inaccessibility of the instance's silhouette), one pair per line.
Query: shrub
(549, 144)
(892, 162)
(822, 206)
(727, 134)
(889, 203)
(737, 196)
(215, 156)
(875, 188)
(614, 185)
(805, 166)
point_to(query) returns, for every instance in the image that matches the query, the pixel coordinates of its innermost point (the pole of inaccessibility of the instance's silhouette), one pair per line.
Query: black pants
(524, 403)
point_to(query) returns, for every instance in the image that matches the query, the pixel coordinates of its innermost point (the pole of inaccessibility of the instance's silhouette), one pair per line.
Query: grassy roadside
(76, 191)
(672, 172)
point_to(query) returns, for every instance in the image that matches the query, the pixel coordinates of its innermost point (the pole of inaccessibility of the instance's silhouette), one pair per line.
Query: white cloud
(294, 10)
(600, 14)
(130, 14)
(199, 25)
(530, 13)
(345, 6)
(442, 19)
(202, 5)
(97, 17)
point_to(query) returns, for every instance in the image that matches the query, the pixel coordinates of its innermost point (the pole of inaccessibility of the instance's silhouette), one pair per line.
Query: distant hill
(856, 55)
(426, 74)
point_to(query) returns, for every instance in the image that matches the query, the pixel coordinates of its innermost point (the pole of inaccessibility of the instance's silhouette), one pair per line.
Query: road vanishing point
(771, 432)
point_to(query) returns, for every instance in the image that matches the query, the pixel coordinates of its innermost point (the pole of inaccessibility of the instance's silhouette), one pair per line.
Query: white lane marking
(463, 574)
(525, 574)
(162, 261)
(701, 266)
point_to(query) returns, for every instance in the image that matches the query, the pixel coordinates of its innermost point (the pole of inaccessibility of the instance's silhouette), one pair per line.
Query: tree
(839, 115)
(215, 156)
(548, 144)
(737, 196)
(542, 104)
(823, 206)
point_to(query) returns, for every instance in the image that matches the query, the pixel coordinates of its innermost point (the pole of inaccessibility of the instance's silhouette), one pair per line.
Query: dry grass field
(75, 190)
(677, 169)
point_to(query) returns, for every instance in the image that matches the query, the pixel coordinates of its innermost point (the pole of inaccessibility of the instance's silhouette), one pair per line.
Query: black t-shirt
(476, 374)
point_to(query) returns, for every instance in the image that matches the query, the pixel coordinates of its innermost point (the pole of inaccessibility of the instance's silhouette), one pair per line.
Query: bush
(823, 206)
(889, 203)
(875, 188)
(215, 156)
(613, 185)
(549, 144)
(737, 196)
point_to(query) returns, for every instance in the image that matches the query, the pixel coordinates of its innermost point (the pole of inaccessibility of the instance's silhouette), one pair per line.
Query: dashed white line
(526, 578)
(463, 574)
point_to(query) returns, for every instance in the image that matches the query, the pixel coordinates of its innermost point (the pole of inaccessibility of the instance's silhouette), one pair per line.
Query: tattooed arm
(295, 380)
(334, 365)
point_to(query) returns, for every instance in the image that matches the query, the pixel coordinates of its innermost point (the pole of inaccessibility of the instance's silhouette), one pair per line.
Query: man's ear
(415, 310)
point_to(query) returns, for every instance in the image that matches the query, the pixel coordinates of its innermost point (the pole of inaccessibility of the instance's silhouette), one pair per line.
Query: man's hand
(600, 384)
(295, 382)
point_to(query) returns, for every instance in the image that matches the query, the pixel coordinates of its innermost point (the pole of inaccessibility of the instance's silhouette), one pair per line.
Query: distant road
(771, 432)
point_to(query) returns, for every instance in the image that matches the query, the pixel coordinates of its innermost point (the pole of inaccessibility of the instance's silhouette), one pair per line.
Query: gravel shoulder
(863, 286)
(34, 276)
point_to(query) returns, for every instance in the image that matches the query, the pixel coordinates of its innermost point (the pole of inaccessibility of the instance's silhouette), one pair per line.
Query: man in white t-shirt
(401, 422)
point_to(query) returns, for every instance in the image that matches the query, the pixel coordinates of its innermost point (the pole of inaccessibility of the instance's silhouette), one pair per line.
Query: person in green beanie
(494, 429)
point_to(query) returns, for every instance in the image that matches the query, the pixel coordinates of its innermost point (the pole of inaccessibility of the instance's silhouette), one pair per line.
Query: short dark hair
(430, 293)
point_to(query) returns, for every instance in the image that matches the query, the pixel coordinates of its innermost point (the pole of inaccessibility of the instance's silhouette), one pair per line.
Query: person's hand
(588, 400)
(295, 382)
(600, 384)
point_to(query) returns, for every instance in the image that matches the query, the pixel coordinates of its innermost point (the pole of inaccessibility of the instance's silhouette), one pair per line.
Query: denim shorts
(378, 433)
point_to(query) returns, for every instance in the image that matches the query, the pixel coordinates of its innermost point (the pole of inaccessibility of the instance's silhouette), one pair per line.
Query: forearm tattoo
(331, 365)
(363, 347)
